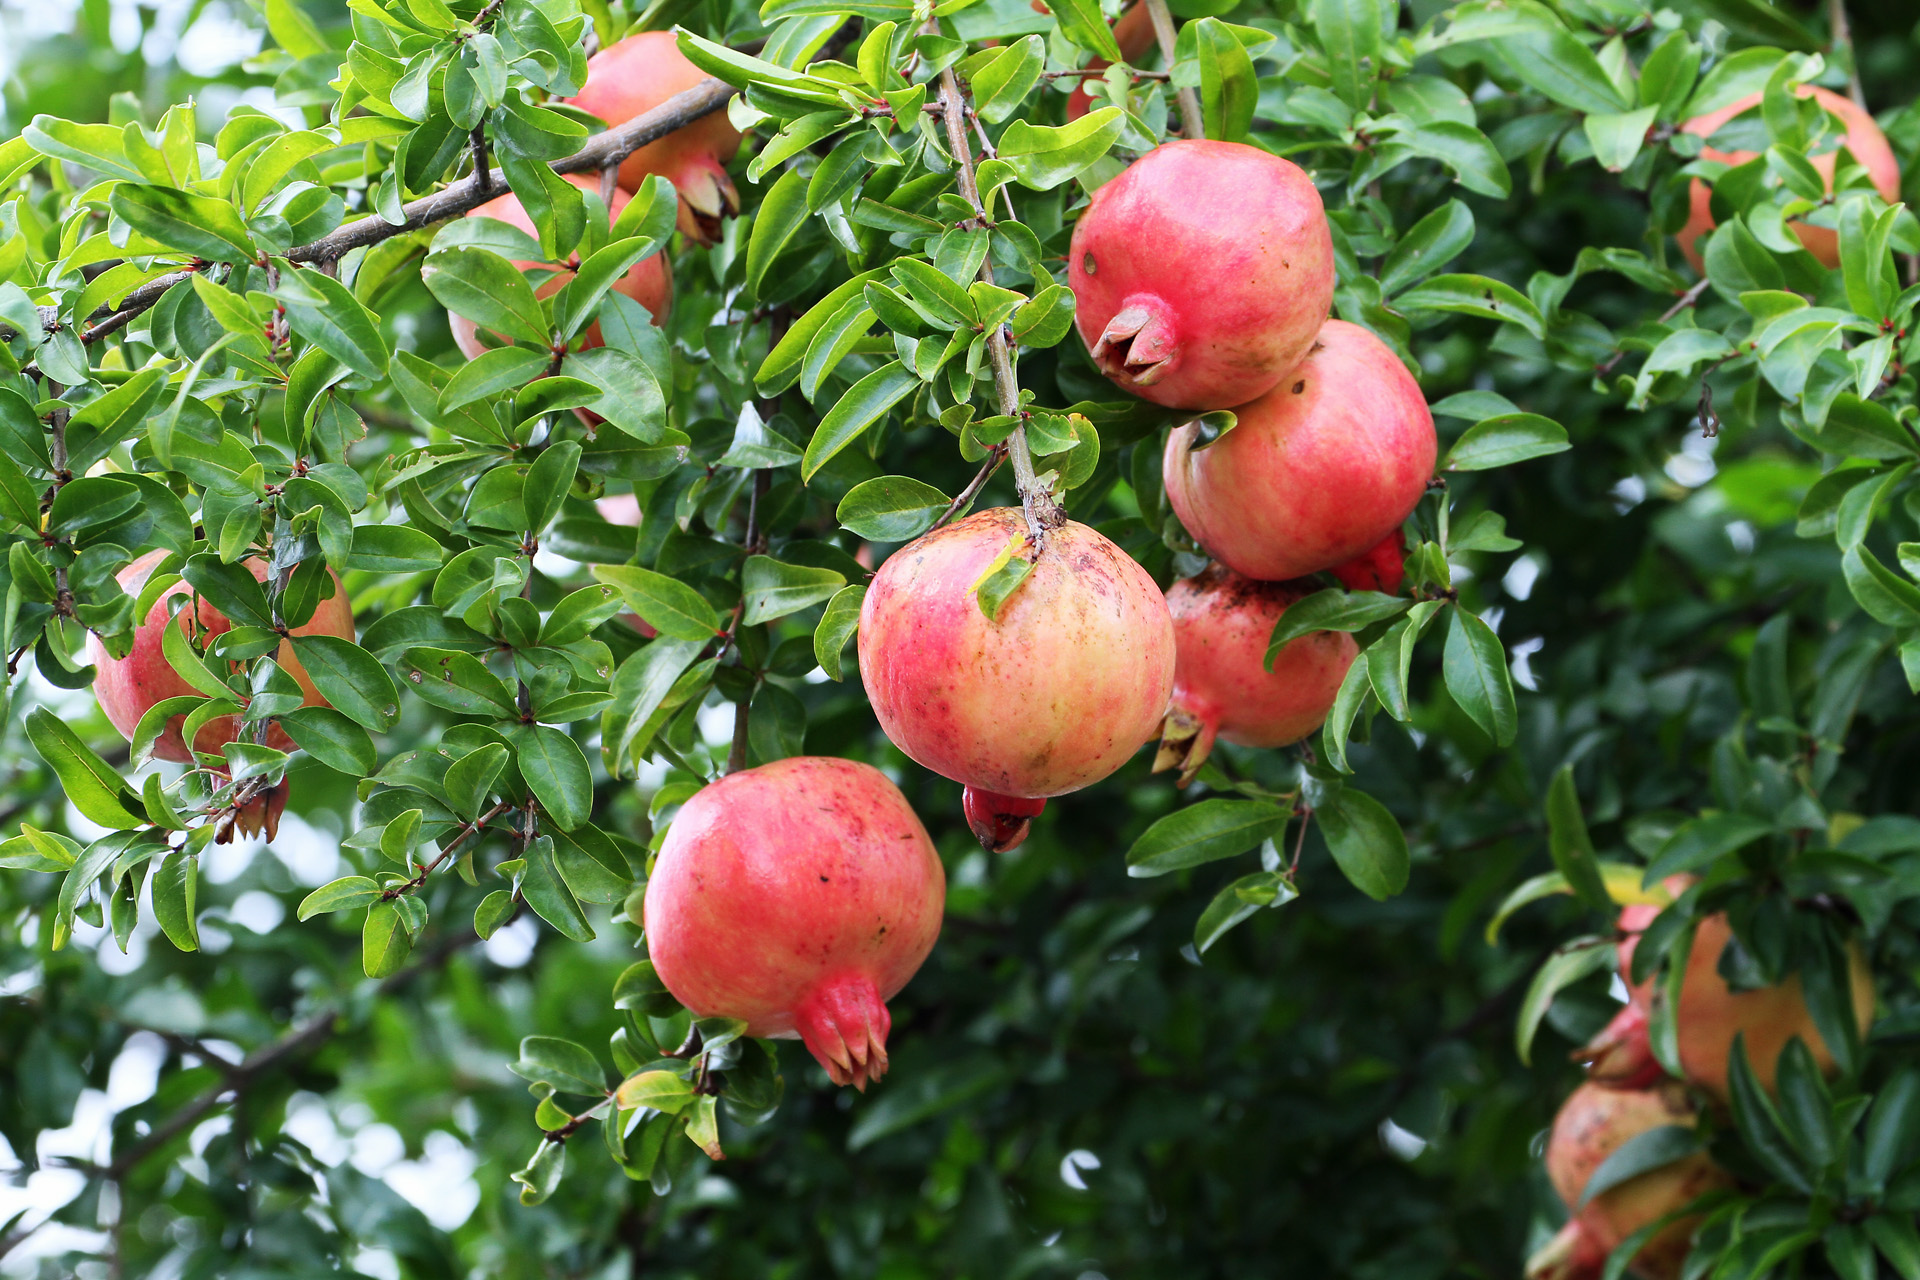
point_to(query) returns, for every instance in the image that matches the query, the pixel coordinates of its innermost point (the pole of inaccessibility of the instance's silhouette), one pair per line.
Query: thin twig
(1192, 121)
(1843, 39)
(1687, 299)
(997, 456)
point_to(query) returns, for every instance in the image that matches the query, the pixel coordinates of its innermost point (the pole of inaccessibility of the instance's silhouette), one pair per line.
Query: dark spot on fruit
(823, 880)
(1086, 262)
(1299, 386)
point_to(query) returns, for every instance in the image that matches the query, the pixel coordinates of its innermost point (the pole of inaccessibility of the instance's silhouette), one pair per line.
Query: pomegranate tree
(1864, 139)
(1712, 1014)
(1593, 1123)
(1202, 273)
(1050, 695)
(1320, 469)
(129, 687)
(648, 282)
(637, 75)
(798, 897)
(1221, 686)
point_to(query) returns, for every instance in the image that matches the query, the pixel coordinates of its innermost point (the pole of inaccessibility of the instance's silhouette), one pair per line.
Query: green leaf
(669, 606)
(1644, 1152)
(1044, 319)
(1475, 667)
(196, 225)
(557, 773)
(837, 625)
(175, 889)
(782, 213)
(781, 368)
(864, 404)
(1238, 901)
(90, 784)
(491, 372)
(1366, 842)
(488, 290)
(230, 588)
(1617, 136)
(1507, 439)
(1886, 596)
(1082, 22)
(1228, 87)
(1471, 155)
(326, 313)
(1474, 296)
(1701, 842)
(1001, 86)
(1429, 244)
(385, 942)
(578, 301)
(1567, 965)
(1569, 843)
(1334, 609)
(1042, 158)
(457, 681)
(548, 895)
(891, 508)
(1204, 832)
(661, 1090)
(344, 894)
(1350, 36)
(1550, 60)
(393, 548)
(772, 589)
(350, 679)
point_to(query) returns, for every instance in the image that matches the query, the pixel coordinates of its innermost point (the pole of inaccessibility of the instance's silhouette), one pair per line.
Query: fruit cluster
(1629, 1095)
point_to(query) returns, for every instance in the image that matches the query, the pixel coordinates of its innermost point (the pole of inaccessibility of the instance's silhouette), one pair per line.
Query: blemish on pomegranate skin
(1299, 386)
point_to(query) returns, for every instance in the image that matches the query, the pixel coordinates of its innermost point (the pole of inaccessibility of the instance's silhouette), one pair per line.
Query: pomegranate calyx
(1186, 740)
(1138, 345)
(1572, 1254)
(1000, 823)
(707, 196)
(844, 1024)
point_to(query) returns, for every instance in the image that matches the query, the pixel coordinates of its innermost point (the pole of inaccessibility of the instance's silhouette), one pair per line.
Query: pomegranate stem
(1192, 122)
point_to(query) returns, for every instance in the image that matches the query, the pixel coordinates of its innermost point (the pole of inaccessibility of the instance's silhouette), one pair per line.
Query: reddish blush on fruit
(1593, 1123)
(1221, 624)
(799, 897)
(1319, 470)
(128, 687)
(648, 282)
(635, 76)
(1051, 696)
(1202, 273)
(1712, 1014)
(1381, 569)
(1620, 1056)
(1864, 139)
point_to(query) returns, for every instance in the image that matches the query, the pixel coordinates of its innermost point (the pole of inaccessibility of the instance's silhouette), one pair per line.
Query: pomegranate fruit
(1712, 1014)
(1133, 32)
(1621, 1055)
(1319, 470)
(1382, 569)
(1052, 695)
(1864, 139)
(1202, 273)
(128, 687)
(1593, 1123)
(648, 282)
(1221, 622)
(999, 822)
(799, 897)
(635, 76)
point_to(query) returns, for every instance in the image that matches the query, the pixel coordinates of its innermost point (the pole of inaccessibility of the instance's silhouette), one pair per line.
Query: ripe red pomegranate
(1864, 139)
(1319, 470)
(1202, 273)
(800, 897)
(648, 282)
(1594, 1123)
(637, 75)
(1133, 32)
(127, 687)
(1711, 1013)
(998, 822)
(1221, 622)
(1621, 1055)
(1051, 696)
(1383, 568)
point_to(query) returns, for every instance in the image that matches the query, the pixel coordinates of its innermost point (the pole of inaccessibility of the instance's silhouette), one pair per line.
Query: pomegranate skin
(1319, 470)
(1621, 1055)
(799, 896)
(999, 823)
(635, 76)
(1593, 1123)
(1864, 139)
(1052, 696)
(1382, 569)
(127, 687)
(1202, 273)
(648, 282)
(1221, 687)
(1711, 1013)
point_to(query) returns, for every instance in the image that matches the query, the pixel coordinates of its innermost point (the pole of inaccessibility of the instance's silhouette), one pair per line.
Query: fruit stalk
(1192, 122)
(1042, 512)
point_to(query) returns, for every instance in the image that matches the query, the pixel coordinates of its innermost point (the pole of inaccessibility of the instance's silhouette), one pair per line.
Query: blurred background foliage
(1333, 1091)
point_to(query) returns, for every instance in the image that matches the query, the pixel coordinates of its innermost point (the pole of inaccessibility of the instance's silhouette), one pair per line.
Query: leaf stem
(1192, 121)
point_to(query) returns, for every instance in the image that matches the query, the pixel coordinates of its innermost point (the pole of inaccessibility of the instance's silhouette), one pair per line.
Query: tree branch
(1843, 39)
(1192, 121)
